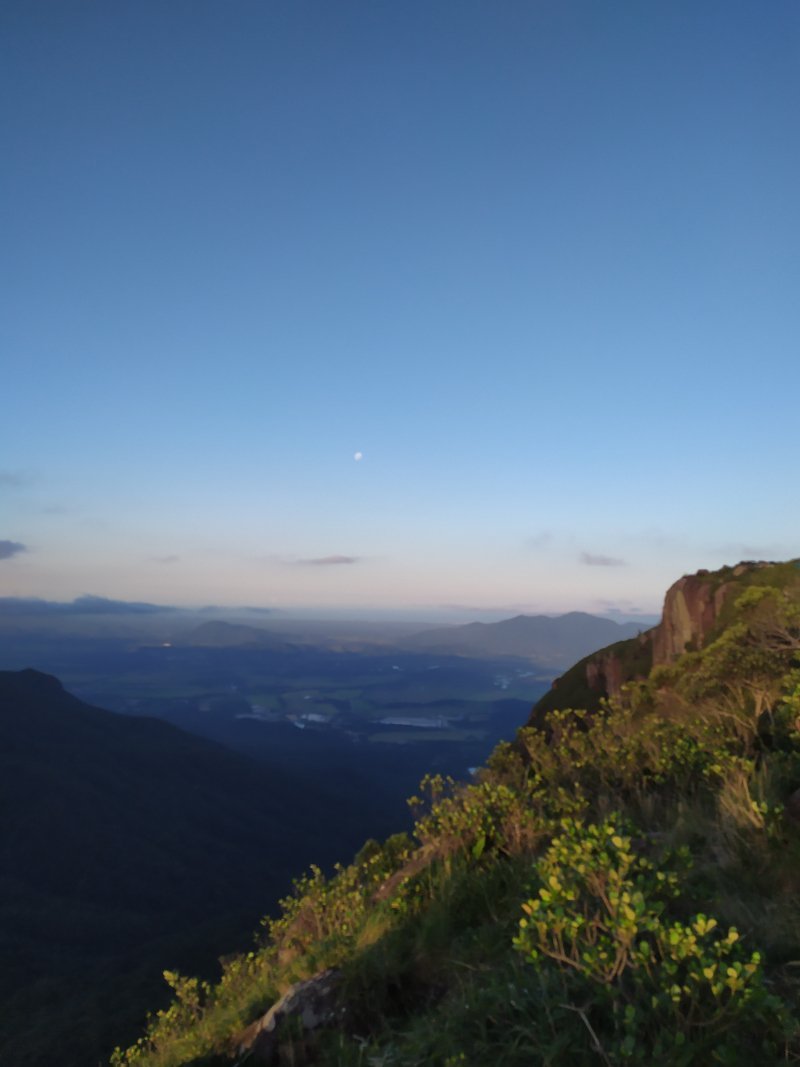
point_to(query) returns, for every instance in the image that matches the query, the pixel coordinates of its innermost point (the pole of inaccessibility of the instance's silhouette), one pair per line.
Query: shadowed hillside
(129, 846)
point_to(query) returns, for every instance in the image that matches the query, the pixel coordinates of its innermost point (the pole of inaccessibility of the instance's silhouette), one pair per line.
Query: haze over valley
(299, 726)
(458, 689)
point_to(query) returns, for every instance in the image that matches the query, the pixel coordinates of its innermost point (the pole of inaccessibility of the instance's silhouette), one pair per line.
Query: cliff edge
(695, 608)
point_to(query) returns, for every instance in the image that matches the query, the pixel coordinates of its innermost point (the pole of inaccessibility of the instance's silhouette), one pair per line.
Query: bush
(646, 987)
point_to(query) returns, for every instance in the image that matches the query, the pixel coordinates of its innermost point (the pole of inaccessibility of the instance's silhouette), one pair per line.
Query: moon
(358, 456)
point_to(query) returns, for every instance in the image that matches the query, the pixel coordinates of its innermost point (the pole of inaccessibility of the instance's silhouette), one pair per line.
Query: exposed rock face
(692, 608)
(310, 1004)
(604, 674)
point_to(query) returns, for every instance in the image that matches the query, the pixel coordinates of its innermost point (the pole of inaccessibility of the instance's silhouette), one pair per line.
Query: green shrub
(649, 988)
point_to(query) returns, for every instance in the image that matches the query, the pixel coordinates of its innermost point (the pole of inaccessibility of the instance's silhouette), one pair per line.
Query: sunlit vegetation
(617, 886)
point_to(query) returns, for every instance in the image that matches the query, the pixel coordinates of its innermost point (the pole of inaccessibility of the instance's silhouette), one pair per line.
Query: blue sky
(538, 262)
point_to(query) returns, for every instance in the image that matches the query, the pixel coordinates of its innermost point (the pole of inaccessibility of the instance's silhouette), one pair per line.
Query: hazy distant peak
(82, 605)
(548, 640)
(100, 605)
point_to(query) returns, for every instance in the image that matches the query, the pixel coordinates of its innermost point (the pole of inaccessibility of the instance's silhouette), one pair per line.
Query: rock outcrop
(692, 609)
(309, 1004)
(604, 673)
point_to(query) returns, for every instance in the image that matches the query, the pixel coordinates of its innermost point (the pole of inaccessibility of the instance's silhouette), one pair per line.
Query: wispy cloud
(15, 479)
(618, 607)
(540, 540)
(11, 548)
(594, 559)
(489, 609)
(164, 559)
(626, 611)
(736, 551)
(327, 561)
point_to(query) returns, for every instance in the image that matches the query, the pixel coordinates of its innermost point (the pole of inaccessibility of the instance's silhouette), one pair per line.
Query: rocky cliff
(693, 608)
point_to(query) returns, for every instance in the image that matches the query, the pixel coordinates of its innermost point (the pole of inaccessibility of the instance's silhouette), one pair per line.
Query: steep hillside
(128, 846)
(696, 609)
(549, 641)
(620, 886)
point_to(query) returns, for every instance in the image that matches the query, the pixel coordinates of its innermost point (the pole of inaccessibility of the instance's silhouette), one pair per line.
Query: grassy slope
(624, 892)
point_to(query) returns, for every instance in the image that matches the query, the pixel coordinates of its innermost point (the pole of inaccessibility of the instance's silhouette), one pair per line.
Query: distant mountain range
(552, 642)
(18, 606)
(83, 605)
(549, 641)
